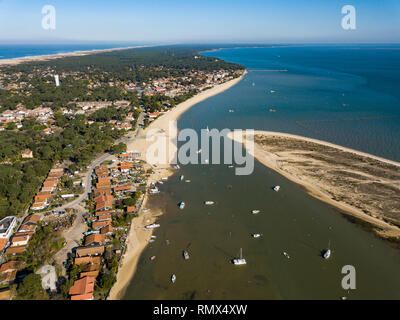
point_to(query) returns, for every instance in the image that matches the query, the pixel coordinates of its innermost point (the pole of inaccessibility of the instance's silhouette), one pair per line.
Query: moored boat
(152, 226)
(240, 260)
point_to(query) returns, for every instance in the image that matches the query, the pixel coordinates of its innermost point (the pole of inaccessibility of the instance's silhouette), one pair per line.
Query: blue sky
(172, 21)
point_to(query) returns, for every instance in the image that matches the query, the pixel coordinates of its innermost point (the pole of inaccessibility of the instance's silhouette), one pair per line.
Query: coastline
(164, 127)
(273, 161)
(16, 61)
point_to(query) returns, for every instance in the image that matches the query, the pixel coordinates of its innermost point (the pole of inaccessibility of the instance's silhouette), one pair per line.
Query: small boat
(240, 260)
(173, 278)
(151, 240)
(208, 203)
(231, 110)
(230, 167)
(255, 211)
(187, 181)
(199, 151)
(256, 235)
(208, 130)
(152, 258)
(327, 253)
(181, 177)
(206, 161)
(152, 226)
(277, 188)
(286, 255)
(181, 205)
(253, 84)
(153, 237)
(185, 255)
(271, 91)
(160, 182)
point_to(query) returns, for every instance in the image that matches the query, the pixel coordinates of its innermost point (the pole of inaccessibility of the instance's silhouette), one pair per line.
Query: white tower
(57, 79)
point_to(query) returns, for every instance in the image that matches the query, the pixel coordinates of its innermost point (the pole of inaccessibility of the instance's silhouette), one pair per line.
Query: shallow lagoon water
(309, 101)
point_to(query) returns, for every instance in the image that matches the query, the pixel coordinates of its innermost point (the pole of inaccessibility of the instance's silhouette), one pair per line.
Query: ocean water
(344, 95)
(8, 51)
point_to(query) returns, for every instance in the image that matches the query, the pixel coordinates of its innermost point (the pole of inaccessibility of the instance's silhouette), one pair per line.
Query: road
(97, 162)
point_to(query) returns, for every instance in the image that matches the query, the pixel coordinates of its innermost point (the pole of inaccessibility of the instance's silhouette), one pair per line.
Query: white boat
(327, 254)
(240, 260)
(277, 188)
(271, 91)
(185, 255)
(206, 161)
(256, 235)
(209, 203)
(187, 180)
(208, 130)
(255, 211)
(286, 255)
(160, 182)
(173, 278)
(181, 177)
(199, 151)
(230, 166)
(181, 205)
(152, 226)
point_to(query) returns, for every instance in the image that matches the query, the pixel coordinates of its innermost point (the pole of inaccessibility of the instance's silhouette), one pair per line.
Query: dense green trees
(31, 288)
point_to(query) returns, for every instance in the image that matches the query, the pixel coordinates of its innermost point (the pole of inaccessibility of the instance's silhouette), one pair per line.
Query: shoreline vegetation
(47, 57)
(363, 187)
(139, 237)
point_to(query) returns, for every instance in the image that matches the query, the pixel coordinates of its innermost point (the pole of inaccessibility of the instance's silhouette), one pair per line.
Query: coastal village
(74, 232)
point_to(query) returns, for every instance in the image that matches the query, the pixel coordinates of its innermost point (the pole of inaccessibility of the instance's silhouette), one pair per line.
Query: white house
(7, 226)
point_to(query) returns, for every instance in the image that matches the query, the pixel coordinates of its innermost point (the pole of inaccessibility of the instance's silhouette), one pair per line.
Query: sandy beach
(16, 61)
(163, 127)
(297, 165)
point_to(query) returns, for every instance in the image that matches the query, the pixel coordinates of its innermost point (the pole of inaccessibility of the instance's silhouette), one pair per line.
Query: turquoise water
(345, 95)
(309, 101)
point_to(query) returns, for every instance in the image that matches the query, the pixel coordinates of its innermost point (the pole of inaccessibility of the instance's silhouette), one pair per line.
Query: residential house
(82, 289)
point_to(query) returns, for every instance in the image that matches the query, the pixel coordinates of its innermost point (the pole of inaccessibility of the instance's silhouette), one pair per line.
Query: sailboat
(327, 253)
(239, 261)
